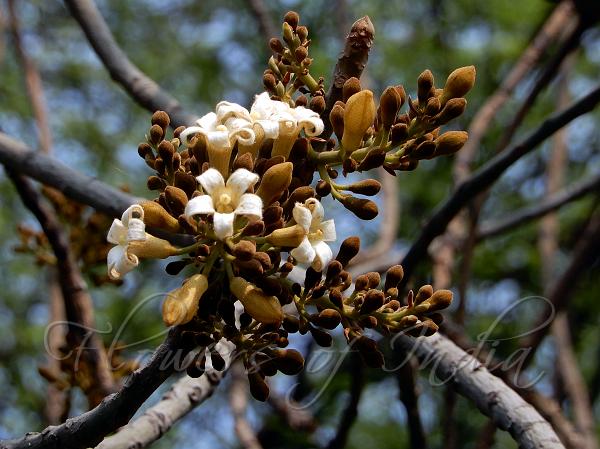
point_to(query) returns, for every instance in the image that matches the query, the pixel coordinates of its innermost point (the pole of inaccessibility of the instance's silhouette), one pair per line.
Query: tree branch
(492, 396)
(264, 20)
(541, 208)
(405, 375)
(138, 85)
(185, 394)
(487, 175)
(114, 411)
(238, 398)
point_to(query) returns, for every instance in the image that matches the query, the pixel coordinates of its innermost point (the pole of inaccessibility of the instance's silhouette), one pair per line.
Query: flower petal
(317, 210)
(250, 205)
(223, 224)
(327, 227)
(119, 262)
(302, 216)
(211, 180)
(270, 128)
(263, 107)
(304, 253)
(208, 122)
(219, 138)
(240, 130)
(117, 234)
(189, 132)
(240, 180)
(309, 120)
(225, 110)
(199, 205)
(324, 255)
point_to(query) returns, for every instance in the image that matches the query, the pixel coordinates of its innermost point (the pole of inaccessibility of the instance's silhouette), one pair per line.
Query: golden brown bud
(166, 150)
(302, 33)
(156, 183)
(157, 217)
(359, 115)
(181, 304)
(317, 104)
(433, 106)
(258, 387)
(244, 250)
(161, 118)
(289, 237)
(452, 109)
(176, 199)
(373, 300)
(288, 33)
(423, 294)
(276, 45)
(263, 308)
(269, 81)
(450, 142)
(152, 248)
(361, 207)
(156, 134)
(367, 187)
(399, 133)
(440, 299)
(351, 87)
(361, 282)
(292, 18)
(336, 117)
(300, 53)
(424, 86)
(459, 83)
(328, 319)
(349, 248)
(393, 277)
(389, 103)
(274, 182)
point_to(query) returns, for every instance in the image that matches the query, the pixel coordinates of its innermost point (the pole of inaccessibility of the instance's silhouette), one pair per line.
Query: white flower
(226, 201)
(290, 121)
(313, 249)
(130, 228)
(219, 133)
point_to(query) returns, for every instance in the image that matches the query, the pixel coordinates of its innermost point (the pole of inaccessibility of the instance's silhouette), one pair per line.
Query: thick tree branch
(487, 175)
(541, 208)
(79, 309)
(491, 395)
(350, 63)
(114, 411)
(185, 394)
(138, 85)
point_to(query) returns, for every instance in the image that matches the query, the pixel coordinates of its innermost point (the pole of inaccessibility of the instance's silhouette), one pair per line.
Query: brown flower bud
(292, 18)
(374, 279)
(161, 118)
(367, 187)
(440, 300)
(450, 142)
(185, 182)
(287, 33)
(291, 324)
(389, 105)
(459, 83)
(258, 387)
(156, 134)
(302, 33)
(181, 304)
(166, 150)
(323, 188)
(263, 308)
(335, 296)
(269, 81)
(349, 248)
(374, 158)
(452, 109)
(359, 115)
(400, 89)
(275, 181)
(425, 150)
(328, 319)
(361, 283)
(317, 104)
(244, 250)
(288, 361)
(393, 277)
(276, 46)
(289, 237)
(424, 87)
(424, 293)
(369, 352)
(351, 86)
(157, 217)
(373, 300)
(362, 208)
(254, 228)
(300, 53)
(433, 106)
(176, 200)
(243, 161)
(155, 183)
(251, 267)
(336, 117)
(145, 150)
(321, 337)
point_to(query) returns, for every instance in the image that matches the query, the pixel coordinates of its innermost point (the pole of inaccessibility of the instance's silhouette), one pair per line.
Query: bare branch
(114, 411)
(491, 395)
(79, 309)
(405, 375)
(238, 398)
(541, 208)
(298, 418)
(137, 84)
(185, 394)
(265, 22)
(350, 63)
(487, 175)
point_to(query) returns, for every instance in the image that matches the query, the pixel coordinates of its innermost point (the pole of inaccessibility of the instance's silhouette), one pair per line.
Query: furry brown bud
(373, 301)
(459, 83)
(349, 248)
(393, 277)
(424, 87)
(351, 86)
(362, 208)
(367, 187)
(389, 104)
(161, 118)
(450, 142)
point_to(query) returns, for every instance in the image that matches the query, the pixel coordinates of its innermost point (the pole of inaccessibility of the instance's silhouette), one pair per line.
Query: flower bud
(263, 308)
(155, 216)
(459, 83)
(151, 248)
(351, 86)
(367, 187)
(289, 237)
(181, 304)
(359, 115)
(349, 248)
(161, 118)
(155, 183)
(389, 103)
(425, 150)
(321, 337)
(374, 158)
(440, 299)
(276, 45)
(373, 300)
(424, 293)
(317, 104)
(452, 109)
(450, 142)
(288, 33)
(393, 277)
(258, 387)
(176, 199)
(274, 182)
(362, 208)
(288, 361)
(185, 182)
(292, 18)
(336, 117)
(156, 134)
(424, 87)
(244, 250)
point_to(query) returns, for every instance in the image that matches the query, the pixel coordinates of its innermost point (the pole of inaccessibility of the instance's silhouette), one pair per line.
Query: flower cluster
(240, 186)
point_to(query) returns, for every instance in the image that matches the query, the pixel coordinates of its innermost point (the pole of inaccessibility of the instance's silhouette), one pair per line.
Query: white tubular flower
(283, 123)
(130, 228)
(221, 131)
(226, 201)
(313, 250)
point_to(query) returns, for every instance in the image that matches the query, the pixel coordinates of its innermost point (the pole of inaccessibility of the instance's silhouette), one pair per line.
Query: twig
(238, 398)
(79, 309)
(265, 22)
(350, 413)
(484, 177)
(138, 85)
(114, 411)
(185, 394)
(298, 418)
(33, 82)
(547, 205)
(405, 375)
(492, 396)
(350, 63)
(84, 189)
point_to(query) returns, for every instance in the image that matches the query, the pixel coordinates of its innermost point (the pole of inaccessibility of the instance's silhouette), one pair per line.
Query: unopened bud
(176, 199)
(263, 308)
(452, 109)
(156, 134)
(258, 387)
(181, 304)
(362, 208)
(349, 248)
(161, 118)
(373, 301)
(274, 182)
(276, 45)
(289, 237)
(424, 293)
(317, 104)
(393, 277)
(351, 87)
(389, 104)
(424, 87)
(244, 250)
(292, 18)
(440, 300)
(367, 187)
(288, 361)
(336, 117)
(450, 142)
(459, 83)
(359, 115)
